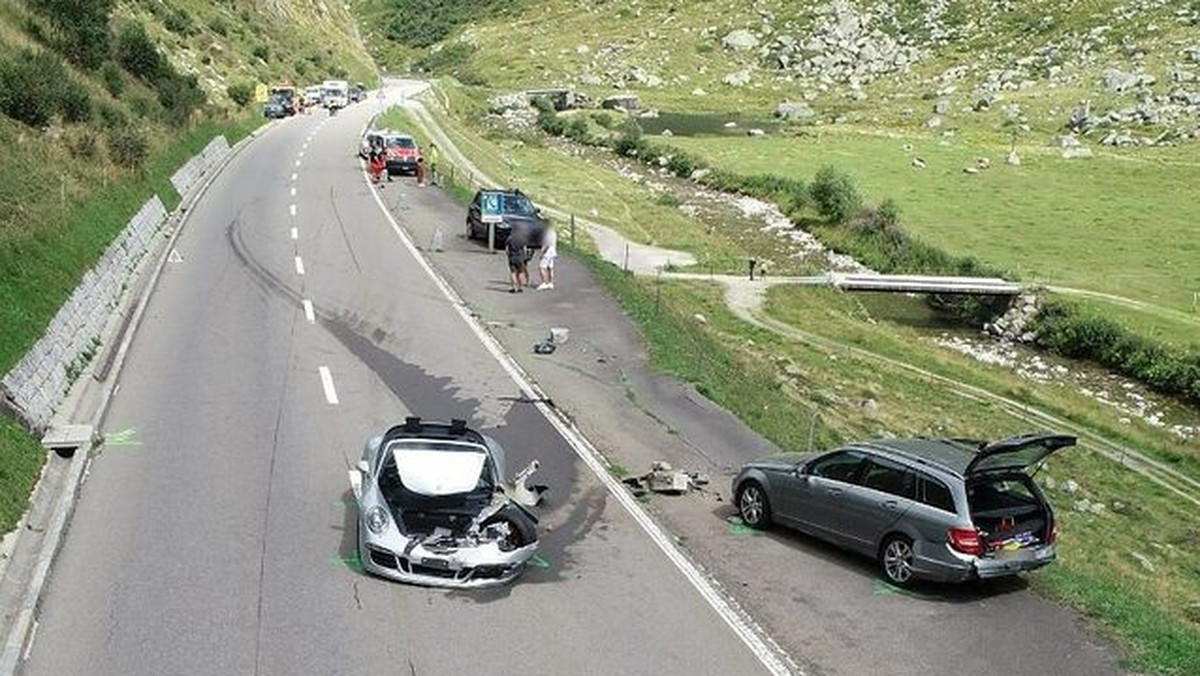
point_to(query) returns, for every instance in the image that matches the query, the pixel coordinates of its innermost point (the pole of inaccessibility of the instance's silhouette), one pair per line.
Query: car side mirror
(364, 467)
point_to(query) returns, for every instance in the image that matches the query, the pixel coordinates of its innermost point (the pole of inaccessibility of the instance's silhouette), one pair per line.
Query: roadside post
(572, 231)
(490, 212)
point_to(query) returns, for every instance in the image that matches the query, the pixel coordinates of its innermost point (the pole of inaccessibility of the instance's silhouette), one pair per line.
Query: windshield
(401, 142)
(518, 205)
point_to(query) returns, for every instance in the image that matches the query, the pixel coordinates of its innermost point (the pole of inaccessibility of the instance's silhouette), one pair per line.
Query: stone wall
(192, 173)
(37, 385)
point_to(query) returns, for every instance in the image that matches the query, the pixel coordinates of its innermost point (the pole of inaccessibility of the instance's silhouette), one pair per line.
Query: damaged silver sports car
(433, 508)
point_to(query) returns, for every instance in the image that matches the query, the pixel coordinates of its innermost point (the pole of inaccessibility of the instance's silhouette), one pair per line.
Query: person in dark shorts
(517, 249)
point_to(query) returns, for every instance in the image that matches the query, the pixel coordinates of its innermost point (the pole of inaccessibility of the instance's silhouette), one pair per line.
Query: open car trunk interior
(1008, 512)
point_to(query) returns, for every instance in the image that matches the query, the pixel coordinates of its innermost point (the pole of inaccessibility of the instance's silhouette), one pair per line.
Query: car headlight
(376, 519)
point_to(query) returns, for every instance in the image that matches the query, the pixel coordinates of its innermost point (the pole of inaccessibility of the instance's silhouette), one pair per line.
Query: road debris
(666, 480)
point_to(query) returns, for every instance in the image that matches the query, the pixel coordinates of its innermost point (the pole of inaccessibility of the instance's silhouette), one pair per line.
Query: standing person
(434, 156)
(517, 249)
(549, 256)
(421, 172)
(378, 165)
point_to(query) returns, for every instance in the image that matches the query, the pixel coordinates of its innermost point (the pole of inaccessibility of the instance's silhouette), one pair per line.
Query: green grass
(21, 459)
(1113, 224)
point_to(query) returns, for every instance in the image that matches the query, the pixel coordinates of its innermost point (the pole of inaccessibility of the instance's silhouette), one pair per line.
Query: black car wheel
(896, 560)
(753, 506)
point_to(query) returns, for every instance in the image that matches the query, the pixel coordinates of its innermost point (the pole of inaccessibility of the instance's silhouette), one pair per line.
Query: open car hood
(1017, 453)
(437, 473)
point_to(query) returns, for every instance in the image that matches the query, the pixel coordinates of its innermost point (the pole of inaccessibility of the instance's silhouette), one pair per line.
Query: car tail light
(1053, 533)
(965, 540)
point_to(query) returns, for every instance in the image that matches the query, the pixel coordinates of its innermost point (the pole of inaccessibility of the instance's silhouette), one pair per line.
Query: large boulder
(505, 102)
(740, 78)
(740, 40)
(791, 111)
(621, 101)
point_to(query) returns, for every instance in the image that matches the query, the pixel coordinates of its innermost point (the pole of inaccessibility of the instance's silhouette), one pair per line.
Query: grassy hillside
(100, 103)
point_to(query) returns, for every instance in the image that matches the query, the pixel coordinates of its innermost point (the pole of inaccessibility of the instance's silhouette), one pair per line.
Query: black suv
(511, 209)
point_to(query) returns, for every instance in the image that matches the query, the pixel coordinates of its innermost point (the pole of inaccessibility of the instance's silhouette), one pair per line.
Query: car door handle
(835, 491)
(888, 504)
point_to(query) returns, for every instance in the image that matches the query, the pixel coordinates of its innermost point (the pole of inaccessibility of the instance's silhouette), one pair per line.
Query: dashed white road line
(309, 313)
(295, 176)
(295, 234)
(293, 191)
(327, 384)
(292, 209)
(299, 266)
(297, 163)
(301, 154)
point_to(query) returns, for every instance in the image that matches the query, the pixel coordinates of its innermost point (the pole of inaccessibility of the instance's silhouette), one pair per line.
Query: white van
(337, 94)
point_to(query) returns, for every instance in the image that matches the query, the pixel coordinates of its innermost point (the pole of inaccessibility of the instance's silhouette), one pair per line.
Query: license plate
(436, 563)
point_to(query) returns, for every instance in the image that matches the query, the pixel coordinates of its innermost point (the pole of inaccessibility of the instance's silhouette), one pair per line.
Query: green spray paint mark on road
(739, 527)
(538, 562)
(352, 562)
(125, 437)
(885, 588)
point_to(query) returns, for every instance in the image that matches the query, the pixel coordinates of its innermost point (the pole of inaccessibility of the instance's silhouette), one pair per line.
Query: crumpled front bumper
(465, 568)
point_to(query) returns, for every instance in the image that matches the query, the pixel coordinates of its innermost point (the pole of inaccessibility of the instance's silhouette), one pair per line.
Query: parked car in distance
(936, 509)
(276, 107)
(374, 139)
(403, 154)
(313, 95)
(357, 93)
(512, 208)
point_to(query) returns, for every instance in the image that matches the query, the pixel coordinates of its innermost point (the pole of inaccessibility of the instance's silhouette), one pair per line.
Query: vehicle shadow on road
(865, 568)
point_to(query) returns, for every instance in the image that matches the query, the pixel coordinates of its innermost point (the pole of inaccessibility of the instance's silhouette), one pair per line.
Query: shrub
(262, 52)
(415, 24)
(84, 145)
(241, 93)
(219, 25)
(179, 95)
(113, 81)
(127, 147)
(35, 86)
(138, 55)
(835, 195)
(178, 21)
(110, 117)
(80, 28)
(577, 130)
(630, 143)
(75, 103)
(1064, 329)
(603, 119)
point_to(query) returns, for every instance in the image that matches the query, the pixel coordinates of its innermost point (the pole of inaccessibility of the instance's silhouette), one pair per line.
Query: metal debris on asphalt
(666, 480)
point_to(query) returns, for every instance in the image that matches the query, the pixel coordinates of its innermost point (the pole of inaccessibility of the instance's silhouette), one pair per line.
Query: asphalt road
(213, 535)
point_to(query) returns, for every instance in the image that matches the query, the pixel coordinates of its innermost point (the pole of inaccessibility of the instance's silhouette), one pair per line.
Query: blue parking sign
(491, 209)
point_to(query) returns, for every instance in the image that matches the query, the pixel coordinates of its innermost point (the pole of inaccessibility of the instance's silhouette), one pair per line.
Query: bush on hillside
(179, 95)
(137, 53)
(128, 147)
(835, 195)
(421, 23)
(240, 93)
(1065, 330)
(114, 82)
(630, 143)
(35, 86)
(262, 52)
(80, 28)
(447, 60)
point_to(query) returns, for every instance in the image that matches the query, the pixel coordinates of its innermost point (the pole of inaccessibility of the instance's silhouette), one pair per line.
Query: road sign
(491, 209)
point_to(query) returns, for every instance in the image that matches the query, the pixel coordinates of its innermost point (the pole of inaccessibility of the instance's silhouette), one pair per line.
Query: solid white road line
(309, 314)
(295, 233)
(299, 266)
(770, 655)
(292, 209)
(327, 384)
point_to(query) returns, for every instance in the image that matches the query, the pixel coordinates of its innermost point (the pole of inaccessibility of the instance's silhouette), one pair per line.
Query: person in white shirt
(549, 255)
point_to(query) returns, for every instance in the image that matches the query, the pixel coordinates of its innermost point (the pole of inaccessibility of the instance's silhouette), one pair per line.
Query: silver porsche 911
(433, 507)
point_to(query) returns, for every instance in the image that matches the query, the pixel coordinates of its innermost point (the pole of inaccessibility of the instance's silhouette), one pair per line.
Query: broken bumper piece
(472, 568)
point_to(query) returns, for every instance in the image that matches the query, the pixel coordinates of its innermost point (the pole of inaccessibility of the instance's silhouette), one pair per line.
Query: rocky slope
(1119, 71)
